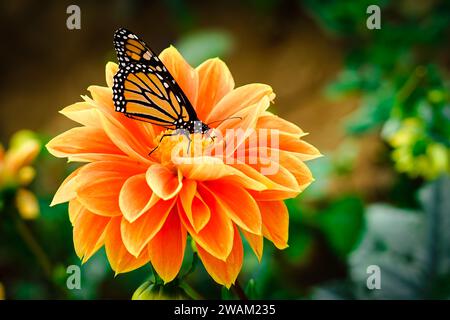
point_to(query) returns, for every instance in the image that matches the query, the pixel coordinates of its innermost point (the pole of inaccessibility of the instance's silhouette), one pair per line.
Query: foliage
(411, 247)
(393, 71)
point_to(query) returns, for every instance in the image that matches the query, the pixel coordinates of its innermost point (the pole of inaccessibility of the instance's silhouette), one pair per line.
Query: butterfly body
(145, 90)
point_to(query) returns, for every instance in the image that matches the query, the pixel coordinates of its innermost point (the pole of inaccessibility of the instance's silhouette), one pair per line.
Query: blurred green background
(376, 103)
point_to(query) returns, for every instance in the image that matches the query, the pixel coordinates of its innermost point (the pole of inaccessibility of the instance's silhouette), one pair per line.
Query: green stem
(411, 84)
(34, 246)
(239, 291)
(192, 267)
(190, 292)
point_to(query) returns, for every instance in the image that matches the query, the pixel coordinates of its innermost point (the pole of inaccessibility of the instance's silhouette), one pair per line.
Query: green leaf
(411, 248)
(342, 223)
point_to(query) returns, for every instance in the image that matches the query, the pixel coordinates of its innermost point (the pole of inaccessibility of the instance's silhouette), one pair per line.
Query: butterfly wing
(144, 88)
(130, 49)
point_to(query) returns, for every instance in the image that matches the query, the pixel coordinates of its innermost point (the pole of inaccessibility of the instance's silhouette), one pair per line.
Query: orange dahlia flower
(142, 208)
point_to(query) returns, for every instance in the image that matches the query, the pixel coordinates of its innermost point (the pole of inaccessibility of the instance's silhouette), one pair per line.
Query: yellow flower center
(172, 145)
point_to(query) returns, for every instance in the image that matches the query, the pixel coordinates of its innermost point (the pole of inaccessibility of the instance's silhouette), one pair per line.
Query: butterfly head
(198, 127)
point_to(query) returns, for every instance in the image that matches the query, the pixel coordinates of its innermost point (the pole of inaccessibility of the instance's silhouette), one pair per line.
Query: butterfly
(145, 90)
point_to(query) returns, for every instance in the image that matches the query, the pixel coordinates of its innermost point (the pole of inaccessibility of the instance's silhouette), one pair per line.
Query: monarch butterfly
(145, 90)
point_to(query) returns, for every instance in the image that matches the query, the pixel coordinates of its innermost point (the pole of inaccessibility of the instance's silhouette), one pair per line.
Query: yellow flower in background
(16, 171)
(415, 154)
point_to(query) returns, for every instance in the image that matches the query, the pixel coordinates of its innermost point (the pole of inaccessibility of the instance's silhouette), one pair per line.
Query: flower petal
(136, 131)
(284, 183)
(275, 218)
(119, 258)
(110, 70)
(99, 185)
(209, 168)
(166, 249)
(293, 143)
(75, 207)
(195, 208)
(216, 237)
(239, 99)
(125, 140)
(67, 189)
(225, 271)
(298, 169)
(136, 197)
(256, 242)
(182, 72)
(164, 183)
(137, 234)
(215, 81)
(84, 113)
(80, 141)
(270, 121)
(238, 204)
(27, 204)
(88, 233)
(239, 129)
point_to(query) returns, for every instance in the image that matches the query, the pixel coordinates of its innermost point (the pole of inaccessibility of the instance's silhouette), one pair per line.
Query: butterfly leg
(210, 136)
(162, 137)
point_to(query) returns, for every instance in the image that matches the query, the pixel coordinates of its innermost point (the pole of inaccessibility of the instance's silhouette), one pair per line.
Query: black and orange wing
(130, 49)
(144, 88)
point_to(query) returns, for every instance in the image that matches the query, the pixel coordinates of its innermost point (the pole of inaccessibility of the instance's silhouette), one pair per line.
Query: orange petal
(166, 249)
(119, 258)
(124, 139)
(182, 72)
(224, 272)
(67, 189)
(248, 117)
(297, 167)
(110, 71)
(84, 113)
(256, 242)
(99, 185)
(102, 96)
(271, 121)
(136, 235)
(246, 124)
(142, 132)
(238, 204)
(82, 140)
(293, 143)
(215, 81)
(216, 237)
(136, 197)
(94, 157)
(164, 183)
(209, 168)
(275, 218)
(75, 207)
(88, 233)
(287, 166)
(195, 208)
(239, 99)
(284, 183)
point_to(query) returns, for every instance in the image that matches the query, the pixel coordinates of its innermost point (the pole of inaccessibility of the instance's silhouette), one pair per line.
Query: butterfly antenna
(222, 120)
